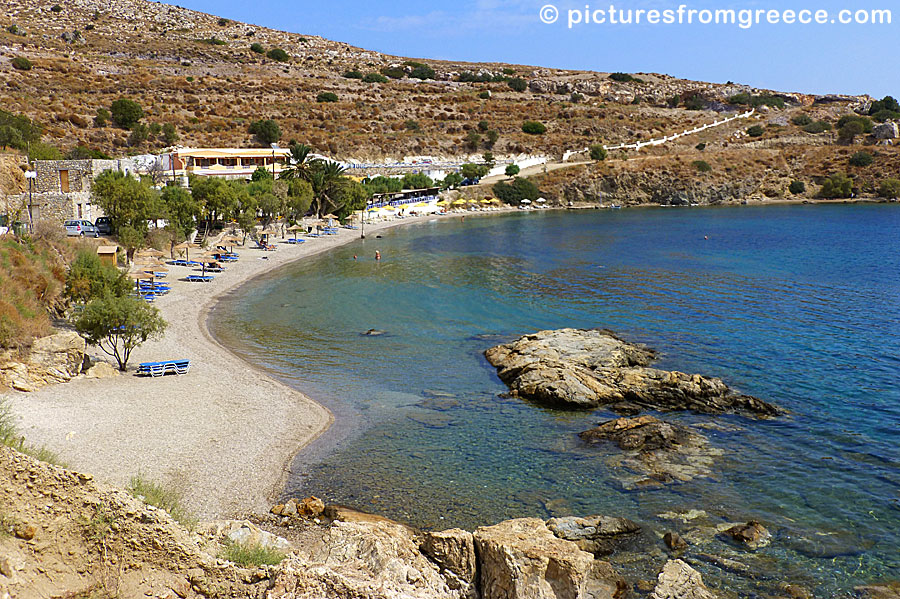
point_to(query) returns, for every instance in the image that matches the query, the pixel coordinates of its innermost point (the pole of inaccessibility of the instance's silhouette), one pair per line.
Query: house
(230, 163)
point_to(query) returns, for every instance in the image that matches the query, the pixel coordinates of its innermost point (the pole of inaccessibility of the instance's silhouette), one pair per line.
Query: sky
(807, 58)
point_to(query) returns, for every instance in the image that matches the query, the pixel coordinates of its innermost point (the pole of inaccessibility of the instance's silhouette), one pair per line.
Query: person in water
(377, 255)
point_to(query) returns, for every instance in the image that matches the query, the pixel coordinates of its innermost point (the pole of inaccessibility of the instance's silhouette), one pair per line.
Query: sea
(796, 304)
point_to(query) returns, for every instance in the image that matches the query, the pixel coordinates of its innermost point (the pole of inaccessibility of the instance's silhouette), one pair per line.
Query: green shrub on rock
(533, 128)
(20, 63)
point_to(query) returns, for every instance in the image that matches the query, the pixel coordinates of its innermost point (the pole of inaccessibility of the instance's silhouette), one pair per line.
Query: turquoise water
(799, 305)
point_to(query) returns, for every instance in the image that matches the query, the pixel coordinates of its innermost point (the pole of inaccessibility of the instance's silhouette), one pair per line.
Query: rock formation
(54, 359)
(590, 368)
(600, 535)
(677, 580)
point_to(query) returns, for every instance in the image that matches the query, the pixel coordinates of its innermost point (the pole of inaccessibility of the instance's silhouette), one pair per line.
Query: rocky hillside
(198, 72)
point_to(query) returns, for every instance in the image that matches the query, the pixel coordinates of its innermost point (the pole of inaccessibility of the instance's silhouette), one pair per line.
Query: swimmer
(377, 255)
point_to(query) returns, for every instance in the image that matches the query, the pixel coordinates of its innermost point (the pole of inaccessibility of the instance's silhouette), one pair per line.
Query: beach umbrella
(459, 202)
(149, 252)
(187, 248)
(443, 203)
(525, 202)
(486, 201)
(294, 229)
(541, 200)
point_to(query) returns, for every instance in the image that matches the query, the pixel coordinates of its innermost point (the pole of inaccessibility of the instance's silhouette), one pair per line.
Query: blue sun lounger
(199, 278)
(182, 262)
(155, 369)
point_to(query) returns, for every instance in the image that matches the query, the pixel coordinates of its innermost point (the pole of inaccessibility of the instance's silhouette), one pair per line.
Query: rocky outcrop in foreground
(590, 368)
(55, 359)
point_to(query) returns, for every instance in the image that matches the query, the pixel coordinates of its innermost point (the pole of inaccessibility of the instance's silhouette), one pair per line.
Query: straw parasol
(149, 252)
(187, 248)
(294, 228)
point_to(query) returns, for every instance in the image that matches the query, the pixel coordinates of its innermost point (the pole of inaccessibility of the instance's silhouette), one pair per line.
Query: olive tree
(117, 325)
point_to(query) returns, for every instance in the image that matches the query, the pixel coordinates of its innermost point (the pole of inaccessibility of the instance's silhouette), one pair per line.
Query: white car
(81, 228)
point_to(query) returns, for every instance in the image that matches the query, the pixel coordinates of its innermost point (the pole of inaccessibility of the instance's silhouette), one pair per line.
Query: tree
(837, 186)
(598, 152)
(890, 188)
(301, 163)
(127, 201)
(451, 180)
(473, 139)
(139, 134)
(327, 97)
(492, 137)
(102, 117)
(512, 170)
(488, 158)
(117, 325)
(261, 173)
(797, 187)
(278, 55)
(850, 130)
(513, 193)
(886, 104)
(327, 181)
(126, 113)
(40, 151)
(89, 278)
(473, 171)
(517, 84)
(416, 181)
(17, 131)
(215, 196)
(182, 210)
(266, 131)
(533, 128)
(861, 159)
(355, 197)
(299, 198)
(485, 94)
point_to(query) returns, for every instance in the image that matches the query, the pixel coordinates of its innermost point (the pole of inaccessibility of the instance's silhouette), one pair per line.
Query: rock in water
(674, 541)
(600, 535)
(523, 559)
(752, 535)
(679, 581)
(590, 368)
(658, 452)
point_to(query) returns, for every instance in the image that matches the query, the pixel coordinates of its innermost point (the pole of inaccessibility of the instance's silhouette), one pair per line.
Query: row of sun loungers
(161, 368)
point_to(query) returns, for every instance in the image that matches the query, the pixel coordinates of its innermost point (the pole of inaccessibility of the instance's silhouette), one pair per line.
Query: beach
(224, 435)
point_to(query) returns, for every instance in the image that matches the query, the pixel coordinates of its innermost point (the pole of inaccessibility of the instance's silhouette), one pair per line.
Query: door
(64, 181)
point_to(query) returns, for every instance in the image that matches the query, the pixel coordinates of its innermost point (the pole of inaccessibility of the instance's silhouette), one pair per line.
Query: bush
(213, 41)
(126, 113)
(700, 146)
(864, 121)
(890, 188)
(797, 187)
(375, 78)
(353, 75)
(422, 72)
(802, 120)
(253, 556)
(850, 130)
(886, 115)
(162, 497)
(576, 98)
(170, 135)
(393, 72)
(42, 151)
(20, 63)
(702, 166)
(518, 84)
(139, 134)
(756, 131)
(257, 48)
(223, 22)
(473, 138)
(513, 193)
(266, 131)
(483, 126)
(886, 104)
(484, 95)
(327, 97)
(533, 128)
(102, 117)
(695, 102)
(818, 127)
(861, 159)
(492, 137)
(56, 8)
(278, 55)
(411, 125)
(621, 77)
(837, 186)
(598, 152)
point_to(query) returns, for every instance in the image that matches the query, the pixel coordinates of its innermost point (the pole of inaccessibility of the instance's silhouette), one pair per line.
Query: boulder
(677, 580)
(657, 452)
(363, 560)
(888, 590)
(578, 368)
(886, 131)
(101, 370)
(523, 559)
(243, 532)
(674, 541)
(600, 535)
(454, 552)
(54, 359)
(311, 507)
(752, 535)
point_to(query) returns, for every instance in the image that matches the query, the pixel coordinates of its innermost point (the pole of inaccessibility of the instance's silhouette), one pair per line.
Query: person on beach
(377, 255)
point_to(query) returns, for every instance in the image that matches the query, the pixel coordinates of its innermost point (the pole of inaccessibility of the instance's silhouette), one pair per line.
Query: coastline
(225, 434)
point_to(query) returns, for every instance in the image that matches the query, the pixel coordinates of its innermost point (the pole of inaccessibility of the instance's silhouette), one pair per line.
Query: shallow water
(795, 304)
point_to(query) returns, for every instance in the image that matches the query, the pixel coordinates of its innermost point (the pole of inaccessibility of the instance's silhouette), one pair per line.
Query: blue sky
(827, 58)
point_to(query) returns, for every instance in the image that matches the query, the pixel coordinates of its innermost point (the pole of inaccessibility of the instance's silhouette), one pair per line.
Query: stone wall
(51, 207)
(81, 173)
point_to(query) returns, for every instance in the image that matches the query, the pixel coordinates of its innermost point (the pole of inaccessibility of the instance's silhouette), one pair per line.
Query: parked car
(81, 228)
(104, 225)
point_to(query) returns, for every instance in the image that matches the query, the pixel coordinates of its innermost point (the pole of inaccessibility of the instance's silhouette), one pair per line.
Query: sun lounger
(182, 262)
(294, 241)
(155, 369)
(199, 278)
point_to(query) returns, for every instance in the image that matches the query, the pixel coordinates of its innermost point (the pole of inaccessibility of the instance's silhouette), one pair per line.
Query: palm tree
(327, 180)
(302, 163)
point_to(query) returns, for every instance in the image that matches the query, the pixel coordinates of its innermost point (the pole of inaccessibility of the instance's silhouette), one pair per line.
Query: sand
(224, 434)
